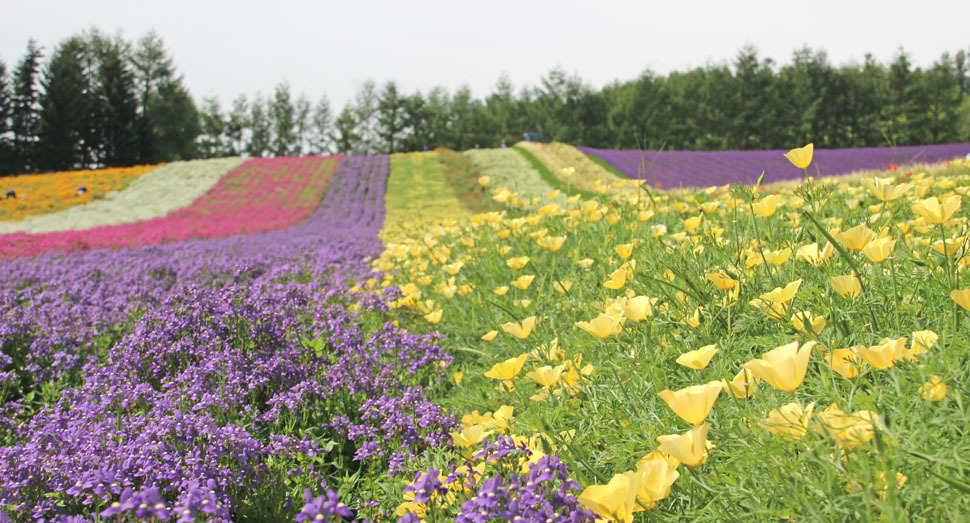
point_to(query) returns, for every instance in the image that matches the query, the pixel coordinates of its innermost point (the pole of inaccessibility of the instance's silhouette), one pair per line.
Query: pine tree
(282, 118)
(6, 144)
(63, 109)
(24, 113)
(236, 125)
(321, 128)
(259, 127)
(153, 69)
(390, 118)
(213, 126)
(115, 90)
(345, 137)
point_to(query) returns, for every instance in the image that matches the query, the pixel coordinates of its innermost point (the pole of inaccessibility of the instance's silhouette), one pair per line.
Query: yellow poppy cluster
(673, 270)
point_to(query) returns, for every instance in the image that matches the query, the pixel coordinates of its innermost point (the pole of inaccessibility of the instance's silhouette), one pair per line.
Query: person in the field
(11, 194)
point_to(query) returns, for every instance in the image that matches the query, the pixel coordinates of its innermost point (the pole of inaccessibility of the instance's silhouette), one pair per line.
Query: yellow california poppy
(658, 476)
(783, 367)
(962, 297)
(522, 282)
(624, 250)
(788, 421)
(601, 326)
(879, 249)
(766, 206)
(690, 448)
(616, 500)
(546, 376)
(884, 190)
(802, 156)
(934, 389)
(743, 385)
(521, 329)
(698, 358)
(508, 369)
(856, 238)
(782, 295)
(935, 211)
(847, 286)
(693, 403)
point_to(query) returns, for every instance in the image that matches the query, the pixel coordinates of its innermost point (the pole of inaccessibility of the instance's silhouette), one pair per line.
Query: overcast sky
(225, 48)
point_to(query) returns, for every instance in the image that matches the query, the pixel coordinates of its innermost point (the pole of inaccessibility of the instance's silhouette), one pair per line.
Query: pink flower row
(262, 194)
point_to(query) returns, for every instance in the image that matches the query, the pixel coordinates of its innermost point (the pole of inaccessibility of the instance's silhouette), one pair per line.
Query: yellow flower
(779, 257)
(601, 326)
(617, 280)
(848, 430)
(922, 342)
(789, 421)
(658, 476)
(692, 223)
(879, 356)
(843, 361)
(775, 311)
(553, 243)
(802, 156)
(503, 250)
(856, 238)
(698, 358)
(585, 263)
(812, 255)
(808, 322)
(721, 281)
(935, 211)
(522, 282)
(884, 190)
(638, 308)
(962, 297)
(616, 500)
(521, 329)
(694, 403)
(469, 437)
(879, 249)
(501, 290)
(766, 206)
(508, 369)
(517, 262)
(453, 268)
(546, 376)
(783, 367)
(934, 389)
(949, 246)
(458, 376)
(434, 316)
(562, 287)
(566, 172)
(690, 448)
(782, 295)
(847, 286)
(483, 181)
(625, 250)
(743, 385)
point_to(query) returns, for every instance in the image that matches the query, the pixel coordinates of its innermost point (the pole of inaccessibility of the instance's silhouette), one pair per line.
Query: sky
(331, 48)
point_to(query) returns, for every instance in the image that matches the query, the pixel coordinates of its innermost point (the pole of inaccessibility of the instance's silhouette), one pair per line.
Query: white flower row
(508, 168)
(153, 194)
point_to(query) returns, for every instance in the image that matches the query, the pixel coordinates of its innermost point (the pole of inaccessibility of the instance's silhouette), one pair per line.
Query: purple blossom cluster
(209, 379)
(545, 494)
(674, 169)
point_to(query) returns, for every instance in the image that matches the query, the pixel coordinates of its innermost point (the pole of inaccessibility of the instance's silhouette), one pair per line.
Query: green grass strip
(550, 178)
(606, 165)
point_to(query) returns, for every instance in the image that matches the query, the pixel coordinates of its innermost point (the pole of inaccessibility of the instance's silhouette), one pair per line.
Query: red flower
(893, 167)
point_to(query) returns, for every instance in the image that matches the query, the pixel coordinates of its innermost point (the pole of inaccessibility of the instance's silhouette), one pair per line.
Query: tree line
(100, 101)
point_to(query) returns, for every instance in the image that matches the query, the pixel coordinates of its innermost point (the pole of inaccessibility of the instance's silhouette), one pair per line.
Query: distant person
(476, 146)
(503, 144)
(81, 190)
(11, 194)
(426, 148)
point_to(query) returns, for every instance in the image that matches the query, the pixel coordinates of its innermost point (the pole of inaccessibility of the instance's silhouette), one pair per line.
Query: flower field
(675, 169)
(433, 337)
(258, 195)
(51, 192)
(154, 194)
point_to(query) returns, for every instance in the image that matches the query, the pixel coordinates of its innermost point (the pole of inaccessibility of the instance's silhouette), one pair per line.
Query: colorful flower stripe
(52, 192)
(418, 193)
(153, 195)
(672, 169)
(209, 404)
(586, 175)
(261, 195)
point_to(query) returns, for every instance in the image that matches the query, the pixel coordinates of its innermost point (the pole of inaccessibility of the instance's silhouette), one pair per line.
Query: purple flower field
(674, 169)
(218, 380)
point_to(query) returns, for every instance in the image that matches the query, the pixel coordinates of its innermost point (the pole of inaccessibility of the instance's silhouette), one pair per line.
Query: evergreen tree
(176, 122)
(391, 117)
(345, 136)
(213, 127)
(115, 93)
(259, 129)
(365, 114)
(63, 109)
(236, 125)
(24, 110)
(320, 137)
(302, 124)
(6, 143)
(416, 118)
(282, 118)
